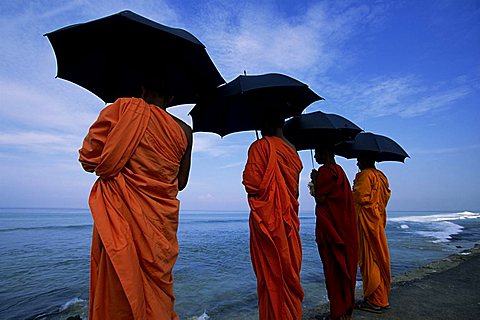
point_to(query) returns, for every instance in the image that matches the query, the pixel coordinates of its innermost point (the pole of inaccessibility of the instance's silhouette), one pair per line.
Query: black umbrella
(310, 130)
(381, 147)
(113, 55)
(240, 105)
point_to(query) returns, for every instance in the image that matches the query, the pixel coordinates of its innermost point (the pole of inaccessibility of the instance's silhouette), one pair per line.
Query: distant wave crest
(80, 226)
(438, 217)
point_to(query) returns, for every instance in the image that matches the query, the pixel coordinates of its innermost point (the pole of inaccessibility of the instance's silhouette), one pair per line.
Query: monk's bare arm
(185, 163)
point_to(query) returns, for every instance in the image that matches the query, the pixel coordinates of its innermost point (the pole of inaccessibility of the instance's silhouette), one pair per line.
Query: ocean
(45, 253)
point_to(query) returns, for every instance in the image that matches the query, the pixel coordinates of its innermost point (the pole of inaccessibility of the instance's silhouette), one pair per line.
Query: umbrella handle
(311, 155)
(256, 133)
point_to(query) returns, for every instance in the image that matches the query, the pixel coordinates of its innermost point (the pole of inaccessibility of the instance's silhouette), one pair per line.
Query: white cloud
(36, 106)
(233, 165)
(437, 101)
(212, 145)
(403, 96)
(203, 143)
(259, 39)
(36, 141)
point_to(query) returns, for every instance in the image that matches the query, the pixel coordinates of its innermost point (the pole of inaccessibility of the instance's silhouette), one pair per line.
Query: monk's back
(271, 180)
(290, 165)
(161, 149)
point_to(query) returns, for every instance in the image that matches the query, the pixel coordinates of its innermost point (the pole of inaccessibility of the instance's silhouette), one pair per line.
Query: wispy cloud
(452, 150)
(403, 96)
(37, 141)
(207, 144)
(233, 165)
(213, 146)
(304, 45)
(311, 44)
(437, 101)
(26, 105)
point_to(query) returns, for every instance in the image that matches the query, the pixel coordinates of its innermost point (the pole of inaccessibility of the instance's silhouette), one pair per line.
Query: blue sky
(409, 70)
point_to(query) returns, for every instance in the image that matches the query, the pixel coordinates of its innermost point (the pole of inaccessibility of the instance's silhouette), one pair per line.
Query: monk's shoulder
(122, 105)
(260, 144)
(364, 175)
(259, 149)
(382, 177)
(328, 170)
(113, 110)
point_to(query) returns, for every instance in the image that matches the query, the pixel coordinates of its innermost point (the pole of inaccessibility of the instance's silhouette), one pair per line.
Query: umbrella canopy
(383, 148)
(240, 105)
(112, 56)
(309, 130)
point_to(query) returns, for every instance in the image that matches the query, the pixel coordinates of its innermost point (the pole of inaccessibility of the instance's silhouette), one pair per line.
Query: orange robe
(271, 178)
(135, 149)
(371, 194)
(336, 236)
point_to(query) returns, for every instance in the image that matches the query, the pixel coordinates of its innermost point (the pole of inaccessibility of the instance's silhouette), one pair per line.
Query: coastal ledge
(443, 289)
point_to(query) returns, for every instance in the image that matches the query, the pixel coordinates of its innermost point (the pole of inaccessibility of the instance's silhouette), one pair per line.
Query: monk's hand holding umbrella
(311, 183)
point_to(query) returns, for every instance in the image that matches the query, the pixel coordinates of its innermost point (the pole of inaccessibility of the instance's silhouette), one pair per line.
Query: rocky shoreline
(443, 289)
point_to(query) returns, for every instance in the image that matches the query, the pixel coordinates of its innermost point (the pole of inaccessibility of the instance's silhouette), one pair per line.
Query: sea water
(44, 264)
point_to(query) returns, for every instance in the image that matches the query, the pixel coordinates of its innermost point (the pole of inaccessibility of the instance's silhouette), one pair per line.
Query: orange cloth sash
(271, 178)
(371, 194)
(336, 236)
(135, 148)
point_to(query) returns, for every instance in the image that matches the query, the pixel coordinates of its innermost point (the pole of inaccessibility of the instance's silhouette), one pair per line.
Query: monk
(142, 156)
(335, 232)
(271, 179)
(371, 194)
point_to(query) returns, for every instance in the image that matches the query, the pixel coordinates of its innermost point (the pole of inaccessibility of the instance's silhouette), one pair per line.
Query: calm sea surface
(44, 266)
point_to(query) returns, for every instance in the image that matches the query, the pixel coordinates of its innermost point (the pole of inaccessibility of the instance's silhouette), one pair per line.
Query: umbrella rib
(378, 147)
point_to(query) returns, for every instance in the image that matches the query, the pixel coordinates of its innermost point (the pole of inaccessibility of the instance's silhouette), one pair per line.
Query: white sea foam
(442, 231)
(204, 316)
(436, 226)
(438, 217)
(71, 303)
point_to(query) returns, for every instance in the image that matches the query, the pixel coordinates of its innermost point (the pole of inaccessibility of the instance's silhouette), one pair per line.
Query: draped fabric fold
(371, 194)
(271, 178)
(135, 149)
(336, 236)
